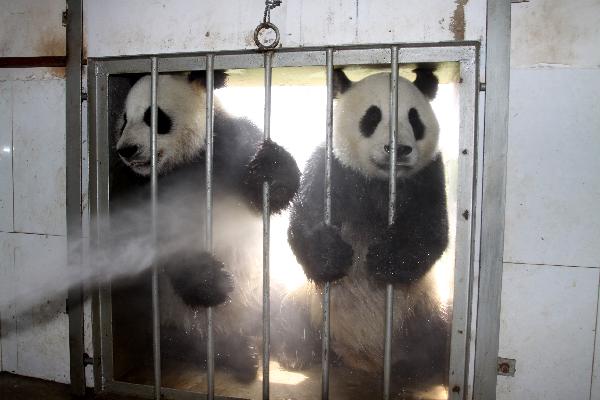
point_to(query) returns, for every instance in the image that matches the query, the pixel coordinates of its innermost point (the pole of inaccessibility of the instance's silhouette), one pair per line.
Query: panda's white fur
(364, 153)
(342, 253)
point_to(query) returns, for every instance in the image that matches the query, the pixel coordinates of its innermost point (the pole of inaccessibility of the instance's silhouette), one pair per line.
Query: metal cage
(99, 71)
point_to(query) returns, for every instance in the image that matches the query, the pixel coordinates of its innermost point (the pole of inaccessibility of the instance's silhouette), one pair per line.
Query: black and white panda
(359, 252)
(231, 278)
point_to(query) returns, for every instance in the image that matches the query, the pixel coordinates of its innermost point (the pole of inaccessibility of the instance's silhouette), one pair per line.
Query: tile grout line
(551, 265)
(595, 340)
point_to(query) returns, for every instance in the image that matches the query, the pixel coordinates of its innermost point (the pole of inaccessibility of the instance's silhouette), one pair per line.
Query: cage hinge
(84, 96)
(65, 17)
(506, 366)
(482, 86)
(87, 360)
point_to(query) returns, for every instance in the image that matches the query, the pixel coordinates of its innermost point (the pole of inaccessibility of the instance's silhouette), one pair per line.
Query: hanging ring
(265, 26)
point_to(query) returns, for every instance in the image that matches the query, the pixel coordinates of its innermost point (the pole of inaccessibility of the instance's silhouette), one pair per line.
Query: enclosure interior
(298, 117)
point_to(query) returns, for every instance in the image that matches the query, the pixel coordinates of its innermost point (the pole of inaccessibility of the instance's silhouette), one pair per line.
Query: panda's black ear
(341, 83)
(200, 77)
(426, 81)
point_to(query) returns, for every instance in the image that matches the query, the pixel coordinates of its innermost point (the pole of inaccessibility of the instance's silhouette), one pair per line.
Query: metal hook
(264, 26)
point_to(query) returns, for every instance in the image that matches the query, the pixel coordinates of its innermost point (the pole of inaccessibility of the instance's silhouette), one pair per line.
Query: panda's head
(181, 125)
(362, 123)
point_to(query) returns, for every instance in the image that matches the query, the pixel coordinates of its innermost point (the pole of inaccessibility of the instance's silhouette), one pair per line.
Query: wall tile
(547, 324)
(553, 189)
(39, 156)
(35, 336)
(6, 184)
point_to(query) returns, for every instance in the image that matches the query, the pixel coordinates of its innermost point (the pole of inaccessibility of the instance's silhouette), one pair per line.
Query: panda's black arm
(419, 235)
(319, 248)
(273, 164)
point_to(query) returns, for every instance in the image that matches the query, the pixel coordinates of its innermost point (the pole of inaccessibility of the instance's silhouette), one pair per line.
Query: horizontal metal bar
(147, 392)
(293, 57)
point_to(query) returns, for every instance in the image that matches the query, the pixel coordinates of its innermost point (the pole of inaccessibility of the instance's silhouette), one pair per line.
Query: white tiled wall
(552, 238)
(34, 339)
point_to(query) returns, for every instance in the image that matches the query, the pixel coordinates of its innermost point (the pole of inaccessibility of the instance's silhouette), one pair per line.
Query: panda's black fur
(359, 253)
(196, 279)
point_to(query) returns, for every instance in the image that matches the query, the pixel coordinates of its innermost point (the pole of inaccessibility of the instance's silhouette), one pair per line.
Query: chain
(270, 5)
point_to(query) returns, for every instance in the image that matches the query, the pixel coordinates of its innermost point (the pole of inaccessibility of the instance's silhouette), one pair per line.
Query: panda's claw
(273, 164)
(327, 257)
(198, 278)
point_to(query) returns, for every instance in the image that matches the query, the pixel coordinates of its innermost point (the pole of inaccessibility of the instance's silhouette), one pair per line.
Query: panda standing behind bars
(359, 252)
(241, 163)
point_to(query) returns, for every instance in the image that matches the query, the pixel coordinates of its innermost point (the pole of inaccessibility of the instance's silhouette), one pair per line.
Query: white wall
(34, 340)
(552, 253)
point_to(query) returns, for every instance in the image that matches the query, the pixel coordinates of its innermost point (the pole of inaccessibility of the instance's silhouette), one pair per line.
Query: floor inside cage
(345, 384)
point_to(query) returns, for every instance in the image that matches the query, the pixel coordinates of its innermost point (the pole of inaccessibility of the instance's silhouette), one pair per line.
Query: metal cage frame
(468, 203)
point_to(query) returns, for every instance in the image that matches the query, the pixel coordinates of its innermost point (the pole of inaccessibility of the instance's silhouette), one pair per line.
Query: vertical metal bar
(497, 78)
(327, 289)
(268, 60)
(153, 200)
(389, 293)
(210, 343)
(73, 191)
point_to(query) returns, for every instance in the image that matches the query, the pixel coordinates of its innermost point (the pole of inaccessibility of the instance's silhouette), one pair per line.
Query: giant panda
(193, 279)
(359, 253)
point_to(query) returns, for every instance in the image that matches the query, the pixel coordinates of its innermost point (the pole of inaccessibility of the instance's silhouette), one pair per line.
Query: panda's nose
(128, 151)
(401, 150)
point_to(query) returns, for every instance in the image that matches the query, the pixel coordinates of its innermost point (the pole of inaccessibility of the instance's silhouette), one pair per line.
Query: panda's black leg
(237, 355)
(198, 278)
(424, 350)
(274, 164)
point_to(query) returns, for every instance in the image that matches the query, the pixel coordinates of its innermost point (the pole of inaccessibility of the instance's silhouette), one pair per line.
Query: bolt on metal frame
(466, 54)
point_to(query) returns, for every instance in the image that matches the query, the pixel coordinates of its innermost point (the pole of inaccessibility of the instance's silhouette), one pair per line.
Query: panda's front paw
(198, 278)
(273, 164)
(327, 257)
(391, 259)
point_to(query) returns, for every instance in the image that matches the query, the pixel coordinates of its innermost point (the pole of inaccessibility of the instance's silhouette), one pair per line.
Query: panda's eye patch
(369, 121)
(164, 122)
(416, 123)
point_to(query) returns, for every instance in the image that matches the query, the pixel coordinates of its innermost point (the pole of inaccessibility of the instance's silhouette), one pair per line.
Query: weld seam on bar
(153, 205)
(389, 293)
(268, 65)
(210, 346)
(325, 339)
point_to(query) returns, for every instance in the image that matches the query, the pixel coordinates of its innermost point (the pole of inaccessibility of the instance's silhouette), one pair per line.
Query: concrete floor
(15, 387)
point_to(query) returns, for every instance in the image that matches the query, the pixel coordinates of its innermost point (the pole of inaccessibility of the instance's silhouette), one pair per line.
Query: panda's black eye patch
(164, 122)
(369, 121)
(416, 123)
